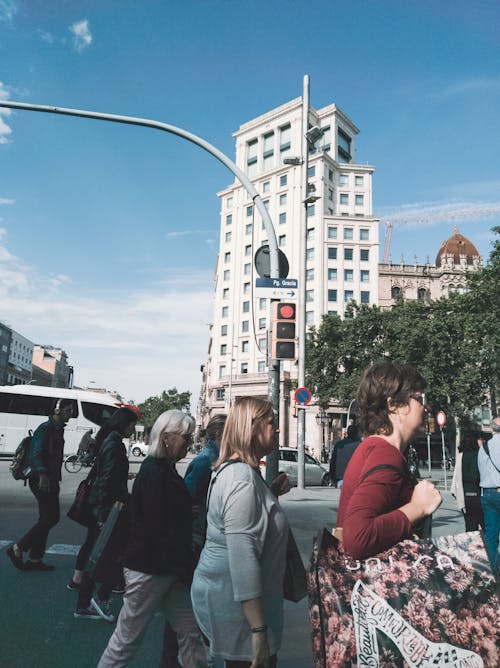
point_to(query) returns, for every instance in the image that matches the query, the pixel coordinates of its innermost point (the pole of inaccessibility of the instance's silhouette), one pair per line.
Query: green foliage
(454, 342)
(167, 400)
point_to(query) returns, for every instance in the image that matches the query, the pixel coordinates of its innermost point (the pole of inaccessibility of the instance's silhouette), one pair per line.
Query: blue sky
(108, 234)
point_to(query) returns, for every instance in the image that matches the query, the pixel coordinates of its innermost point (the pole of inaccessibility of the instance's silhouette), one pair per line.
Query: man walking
(488, 461)
(45, 461)
(343, 450)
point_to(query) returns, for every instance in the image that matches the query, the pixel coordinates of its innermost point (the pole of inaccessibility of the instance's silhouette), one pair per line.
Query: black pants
(273, 662)
(86, 548)
(48, 516)
(473, 513)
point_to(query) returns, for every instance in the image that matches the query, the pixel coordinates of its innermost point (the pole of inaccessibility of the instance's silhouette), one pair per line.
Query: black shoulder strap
(487, 450)
(401, 471)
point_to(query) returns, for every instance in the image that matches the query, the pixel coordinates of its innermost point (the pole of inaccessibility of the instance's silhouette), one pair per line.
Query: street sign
(441, 418)
(303, 395)
(277, 288)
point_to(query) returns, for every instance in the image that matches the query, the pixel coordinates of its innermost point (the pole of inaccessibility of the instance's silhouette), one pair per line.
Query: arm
(37, 448)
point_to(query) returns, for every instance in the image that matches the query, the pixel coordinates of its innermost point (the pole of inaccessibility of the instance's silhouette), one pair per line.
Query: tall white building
(341, 247)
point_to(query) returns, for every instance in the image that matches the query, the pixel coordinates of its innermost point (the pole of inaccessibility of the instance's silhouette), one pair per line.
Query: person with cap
(488, 461)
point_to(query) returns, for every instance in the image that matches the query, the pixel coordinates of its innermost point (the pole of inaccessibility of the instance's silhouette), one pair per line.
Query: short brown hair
(242, 425)
(215, 426)
(381, 381)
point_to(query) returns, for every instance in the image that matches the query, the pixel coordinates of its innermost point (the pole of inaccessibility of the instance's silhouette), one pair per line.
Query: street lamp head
(313, 134)
(293, 161)
(310, 199)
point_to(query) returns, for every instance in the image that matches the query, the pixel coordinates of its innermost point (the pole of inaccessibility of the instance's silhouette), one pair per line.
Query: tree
(154, 406)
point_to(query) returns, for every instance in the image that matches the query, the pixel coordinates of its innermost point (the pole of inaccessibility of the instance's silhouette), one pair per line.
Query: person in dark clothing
(343, 450)
(45, 460)
(465, 484)
(109, 487)
(159, 559)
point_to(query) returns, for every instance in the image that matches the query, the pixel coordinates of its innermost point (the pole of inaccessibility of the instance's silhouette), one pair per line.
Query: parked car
(140, 449)
(315, 473)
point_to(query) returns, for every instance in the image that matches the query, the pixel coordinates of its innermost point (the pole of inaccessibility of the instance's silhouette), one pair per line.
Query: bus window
(26, 404)
(97, 413)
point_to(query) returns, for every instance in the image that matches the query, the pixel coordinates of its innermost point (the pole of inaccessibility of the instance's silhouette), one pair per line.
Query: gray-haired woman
(159, 560)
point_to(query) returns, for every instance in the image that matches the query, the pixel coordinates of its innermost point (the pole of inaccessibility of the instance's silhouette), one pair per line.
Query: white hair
(170, 422)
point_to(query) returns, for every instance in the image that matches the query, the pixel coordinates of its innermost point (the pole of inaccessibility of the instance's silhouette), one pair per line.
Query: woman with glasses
(380, 503)
(158, 560)
(237, 590)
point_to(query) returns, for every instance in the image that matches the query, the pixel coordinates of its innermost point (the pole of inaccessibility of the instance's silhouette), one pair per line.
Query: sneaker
(86, 613)
(37, 566)
(17, 561)
(72, 585)
(102, 608)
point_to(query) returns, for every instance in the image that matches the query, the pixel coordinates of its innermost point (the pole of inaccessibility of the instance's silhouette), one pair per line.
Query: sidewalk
(310, 510)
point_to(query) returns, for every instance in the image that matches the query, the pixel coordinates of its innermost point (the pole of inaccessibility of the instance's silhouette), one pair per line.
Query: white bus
(24, 407)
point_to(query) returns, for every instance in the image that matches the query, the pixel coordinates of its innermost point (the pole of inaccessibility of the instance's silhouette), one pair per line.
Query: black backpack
(19, 468)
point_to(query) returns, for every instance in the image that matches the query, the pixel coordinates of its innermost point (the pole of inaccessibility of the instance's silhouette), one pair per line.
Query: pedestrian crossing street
(57, 548)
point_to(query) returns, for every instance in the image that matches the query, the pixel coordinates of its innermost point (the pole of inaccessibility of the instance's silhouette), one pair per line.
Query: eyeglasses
(419, 396)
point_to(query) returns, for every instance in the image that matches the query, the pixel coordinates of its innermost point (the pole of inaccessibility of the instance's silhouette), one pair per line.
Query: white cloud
(82, 37)
(4, 200)
(183, 233)
(8, 9)
(46, 36)
(5, 130)
(478, 85)
(435, 213)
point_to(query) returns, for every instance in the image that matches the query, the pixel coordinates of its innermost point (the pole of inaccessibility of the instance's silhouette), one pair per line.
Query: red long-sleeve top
(368, 509)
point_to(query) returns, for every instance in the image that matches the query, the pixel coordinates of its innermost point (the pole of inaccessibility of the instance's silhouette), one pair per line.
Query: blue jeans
(490, 501)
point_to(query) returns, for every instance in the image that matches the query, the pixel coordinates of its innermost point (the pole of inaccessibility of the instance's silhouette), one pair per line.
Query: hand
(118, 504)
(281, 485)
(426, 497)
(260, 650)
(43, 483)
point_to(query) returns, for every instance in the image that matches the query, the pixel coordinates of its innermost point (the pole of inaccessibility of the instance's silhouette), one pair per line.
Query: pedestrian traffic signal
(283, 331)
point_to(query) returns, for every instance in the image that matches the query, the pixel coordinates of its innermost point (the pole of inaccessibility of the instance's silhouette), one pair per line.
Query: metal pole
(444, 460)
(349, 414)
(429, 452)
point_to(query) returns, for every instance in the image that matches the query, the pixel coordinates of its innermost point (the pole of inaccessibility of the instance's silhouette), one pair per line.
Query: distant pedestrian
(465, 483)
(489, 470)
(159, 559)
(343, 450)
(45, 460)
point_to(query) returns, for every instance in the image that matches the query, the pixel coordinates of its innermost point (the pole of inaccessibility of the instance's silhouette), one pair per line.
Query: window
(364, 254)
(248, 250)
(247, 268)
(248, 228)
(283, 180)
(310, 233)
(310, 254)
(309, 295)
(358, 180)
(311, 209)
(365, 297)
(332, 253)
(262, 303)
(359, 200)
(229, 219)
(266, 186)
(348, 233)
(265, 202)
(268, 151)
(332, 274)
(222, 371)
(220, 394)
(282, 218)
(262, 343)
(223, 330)
(246, 288)
(332, 312)
(227, 257)
(309, 317)
(330, 193)
(343, 146)
(421, 294)
(226, 274)
(225, 293)
(283, 199)
(348, 253)
(364, 234)
(344, 180)
(223, 349)
(261, 366)
(332, 232)
(282, 240)
(285, 140)
(344, 198)
(244, 346)
(225, 311)
(252, 157)
(332, 295)
(229, 203)
(309, 274)
(364, 276)
(246, 307)
(228, 236)
(311, 172)
(245, 326)
(348, 274)
(262, 323)
(249, 211)
(348, 296)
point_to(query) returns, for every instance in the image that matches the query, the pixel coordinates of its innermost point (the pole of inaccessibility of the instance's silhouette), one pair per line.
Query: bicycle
(74, 463)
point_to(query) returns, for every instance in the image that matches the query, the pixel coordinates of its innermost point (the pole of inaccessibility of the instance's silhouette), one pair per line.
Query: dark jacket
(47, 450)
(160, 539)
(110, 483)
(197, 480)
(343, 450)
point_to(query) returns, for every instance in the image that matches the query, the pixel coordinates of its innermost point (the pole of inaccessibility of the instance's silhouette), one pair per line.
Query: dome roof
(457, 245)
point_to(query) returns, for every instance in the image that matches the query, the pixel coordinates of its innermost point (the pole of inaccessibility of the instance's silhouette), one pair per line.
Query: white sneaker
(102, 609)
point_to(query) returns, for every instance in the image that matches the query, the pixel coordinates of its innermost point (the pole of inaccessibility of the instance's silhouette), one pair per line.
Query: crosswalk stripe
(58, 548)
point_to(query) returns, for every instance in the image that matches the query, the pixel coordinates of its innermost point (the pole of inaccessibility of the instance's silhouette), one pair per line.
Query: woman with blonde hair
(237, 589)
(158, 560)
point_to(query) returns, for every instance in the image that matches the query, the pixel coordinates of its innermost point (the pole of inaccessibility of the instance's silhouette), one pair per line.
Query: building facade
(342, 247)
(20, 360)
(5, 340)
(52, 361)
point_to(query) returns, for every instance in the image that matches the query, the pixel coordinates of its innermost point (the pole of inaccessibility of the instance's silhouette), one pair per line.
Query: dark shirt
(197, 480)
(47, 450)
(111, 479)
(470, 472)
(341, 456)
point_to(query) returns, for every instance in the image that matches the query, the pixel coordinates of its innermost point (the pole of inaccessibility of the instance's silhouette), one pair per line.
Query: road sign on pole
(303, 396)
(277, 288)
(441, 418)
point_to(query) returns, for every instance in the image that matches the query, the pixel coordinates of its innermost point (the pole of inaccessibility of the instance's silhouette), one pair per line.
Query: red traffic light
(285, 311)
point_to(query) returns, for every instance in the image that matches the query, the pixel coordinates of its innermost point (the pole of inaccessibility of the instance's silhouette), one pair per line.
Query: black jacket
(160, 541)
(111, 477)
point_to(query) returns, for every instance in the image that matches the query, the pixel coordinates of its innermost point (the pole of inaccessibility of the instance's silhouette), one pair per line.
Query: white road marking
(58, 548)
